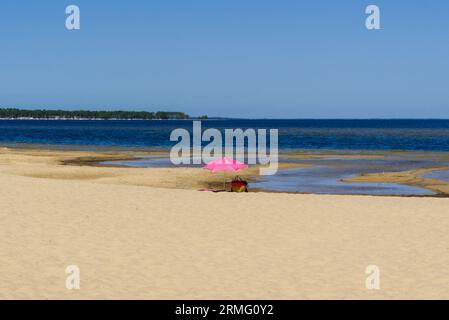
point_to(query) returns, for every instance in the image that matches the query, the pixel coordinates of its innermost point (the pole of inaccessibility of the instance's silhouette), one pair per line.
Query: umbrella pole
(224, 180)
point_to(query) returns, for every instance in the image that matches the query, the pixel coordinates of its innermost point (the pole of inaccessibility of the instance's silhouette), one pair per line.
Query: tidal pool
(442, 175)
(324, 177)
(148, 161)
(325, 180)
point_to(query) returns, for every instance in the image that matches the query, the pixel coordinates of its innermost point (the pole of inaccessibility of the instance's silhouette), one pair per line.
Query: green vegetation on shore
(10, 113)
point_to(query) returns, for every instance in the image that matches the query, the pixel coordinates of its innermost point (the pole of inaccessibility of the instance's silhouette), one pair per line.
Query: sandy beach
(147, 233)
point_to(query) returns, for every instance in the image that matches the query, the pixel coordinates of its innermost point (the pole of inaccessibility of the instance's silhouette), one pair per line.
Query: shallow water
(327, 180)
(325, 176)
(442, 175)
(148, 161)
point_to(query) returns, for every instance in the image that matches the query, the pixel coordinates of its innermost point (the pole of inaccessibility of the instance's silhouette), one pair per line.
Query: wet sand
(412, 178)
(147, 233)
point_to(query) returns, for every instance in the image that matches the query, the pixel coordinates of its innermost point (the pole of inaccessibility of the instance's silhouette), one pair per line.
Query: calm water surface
(429, 135)
(324, 177)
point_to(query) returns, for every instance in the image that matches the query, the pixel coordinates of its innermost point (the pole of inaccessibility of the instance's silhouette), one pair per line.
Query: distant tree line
(10, 113)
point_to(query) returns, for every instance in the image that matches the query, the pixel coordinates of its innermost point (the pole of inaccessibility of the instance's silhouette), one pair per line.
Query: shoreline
(285, 152)
(75, 160)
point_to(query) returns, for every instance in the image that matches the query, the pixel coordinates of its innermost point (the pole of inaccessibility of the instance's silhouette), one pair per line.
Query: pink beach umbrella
(225, 164)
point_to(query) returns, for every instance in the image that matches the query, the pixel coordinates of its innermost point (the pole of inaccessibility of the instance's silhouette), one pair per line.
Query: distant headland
(42, 114)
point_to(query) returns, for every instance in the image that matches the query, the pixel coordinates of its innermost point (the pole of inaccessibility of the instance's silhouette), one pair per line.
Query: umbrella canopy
(225, 164)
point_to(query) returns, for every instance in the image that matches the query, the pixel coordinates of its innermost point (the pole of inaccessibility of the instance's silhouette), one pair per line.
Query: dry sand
(134, 235)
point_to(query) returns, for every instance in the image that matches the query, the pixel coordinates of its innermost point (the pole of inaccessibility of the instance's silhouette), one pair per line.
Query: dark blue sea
(426, 135)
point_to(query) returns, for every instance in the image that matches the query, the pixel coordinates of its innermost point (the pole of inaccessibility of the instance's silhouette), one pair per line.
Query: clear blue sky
(247, 58)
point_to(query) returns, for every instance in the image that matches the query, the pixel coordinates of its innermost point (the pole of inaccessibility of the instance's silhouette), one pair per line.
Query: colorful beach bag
(239, 185)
